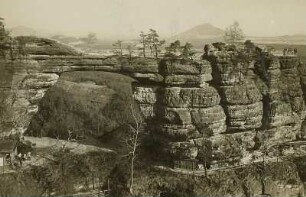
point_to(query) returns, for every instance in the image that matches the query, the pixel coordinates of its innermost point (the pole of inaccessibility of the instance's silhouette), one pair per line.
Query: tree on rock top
(233, 33)
(176, 50)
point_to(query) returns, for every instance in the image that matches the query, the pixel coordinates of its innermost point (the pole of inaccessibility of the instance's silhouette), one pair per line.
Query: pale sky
(168, 17)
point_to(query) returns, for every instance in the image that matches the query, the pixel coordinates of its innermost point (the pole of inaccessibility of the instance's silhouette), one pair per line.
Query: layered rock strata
(187, 111)
(226, 109)
(221, 110)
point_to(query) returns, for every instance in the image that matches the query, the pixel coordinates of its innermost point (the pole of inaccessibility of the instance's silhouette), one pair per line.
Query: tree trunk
(156, 52)
(93, 180)
(262, 181)
(263, 187)
(144, 47)
(151, 49)
(132, 174)
(205, 168)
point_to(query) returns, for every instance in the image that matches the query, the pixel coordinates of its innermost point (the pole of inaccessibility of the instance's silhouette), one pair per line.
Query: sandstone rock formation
(224, 109)
(227, 107)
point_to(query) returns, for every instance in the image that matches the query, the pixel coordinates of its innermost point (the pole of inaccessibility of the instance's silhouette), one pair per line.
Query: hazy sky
(128, 17)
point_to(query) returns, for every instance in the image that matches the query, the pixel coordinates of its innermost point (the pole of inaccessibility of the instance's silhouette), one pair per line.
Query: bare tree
(133, 142)
(233, 33)
(118, 48)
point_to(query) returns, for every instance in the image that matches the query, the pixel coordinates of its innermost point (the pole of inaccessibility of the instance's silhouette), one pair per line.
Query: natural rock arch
(25, 81)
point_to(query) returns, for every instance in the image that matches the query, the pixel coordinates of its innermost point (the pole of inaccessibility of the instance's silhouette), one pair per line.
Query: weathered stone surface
(176, 132)
(140, 65)
(147, 110)
(288, 62)
(228, 74)
(76, 64)
(144, 95)
(32, 95)
(244, 117)
(240, 94)
(191, 97)
(281, 114)
(179, 116)
(39, 80)
(241, 111)
(210, 120)
(185, 68)
(152, 77)
(191, 80)
(225, 147)
(271, 63)
(207, 115)
(273, 75)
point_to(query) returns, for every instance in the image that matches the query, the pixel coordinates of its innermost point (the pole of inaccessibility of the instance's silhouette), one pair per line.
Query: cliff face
(225, 109)
(229, 108)
(22, 87)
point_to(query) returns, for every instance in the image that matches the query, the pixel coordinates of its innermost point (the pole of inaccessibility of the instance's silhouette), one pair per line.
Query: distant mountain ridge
(199, 32)
(207, 33)
(197, 36)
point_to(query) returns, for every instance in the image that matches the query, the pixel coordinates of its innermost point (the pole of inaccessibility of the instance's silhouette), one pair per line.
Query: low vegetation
(96, 107)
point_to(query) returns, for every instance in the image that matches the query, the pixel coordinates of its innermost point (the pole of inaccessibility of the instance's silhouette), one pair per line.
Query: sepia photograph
(152, 98)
